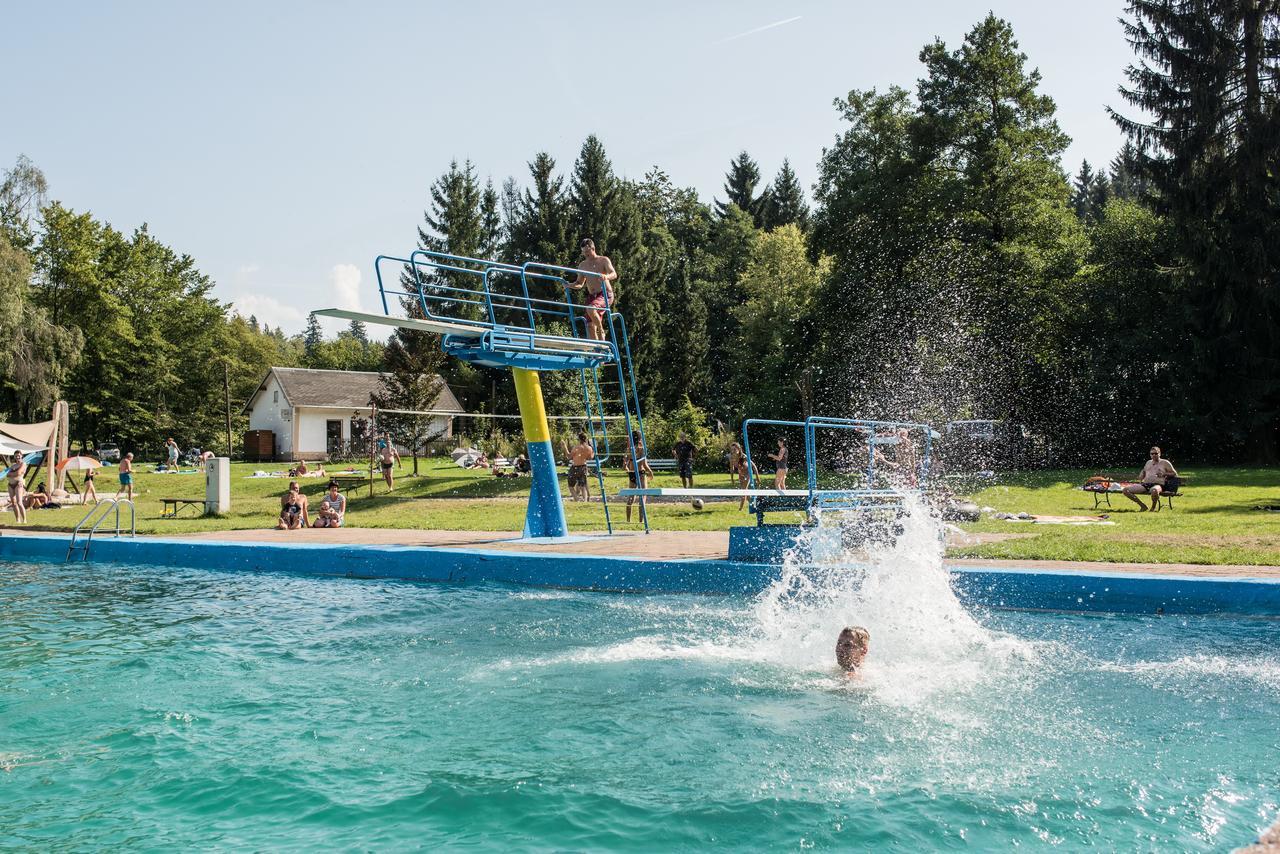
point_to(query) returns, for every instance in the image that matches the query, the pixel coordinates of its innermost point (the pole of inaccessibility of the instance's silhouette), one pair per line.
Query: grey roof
(307, 387)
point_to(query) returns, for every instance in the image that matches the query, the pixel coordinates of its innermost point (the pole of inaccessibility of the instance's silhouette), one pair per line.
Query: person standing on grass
(638, 472)
(745, 469)
(90, 491)
(579, 458)
(1151, 480)
(683, 452)
(126, 476)
(172, 447)
(390, 458)
(16, 472)
(782, 462)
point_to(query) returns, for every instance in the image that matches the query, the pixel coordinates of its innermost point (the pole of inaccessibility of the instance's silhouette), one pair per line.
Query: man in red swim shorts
(599, 290)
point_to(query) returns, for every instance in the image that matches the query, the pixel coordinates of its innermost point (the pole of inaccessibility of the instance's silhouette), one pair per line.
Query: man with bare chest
(599, 287)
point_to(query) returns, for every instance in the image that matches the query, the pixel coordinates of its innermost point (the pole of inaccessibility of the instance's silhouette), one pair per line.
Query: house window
(275, 397)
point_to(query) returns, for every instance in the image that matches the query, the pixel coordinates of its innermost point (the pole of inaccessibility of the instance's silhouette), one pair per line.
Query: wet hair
(1155, 448)
(782, 440)
(852, 639)
(587, 241)
(582, 437)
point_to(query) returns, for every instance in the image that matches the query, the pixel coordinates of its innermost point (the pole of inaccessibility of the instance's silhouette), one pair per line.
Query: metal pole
(226, 390)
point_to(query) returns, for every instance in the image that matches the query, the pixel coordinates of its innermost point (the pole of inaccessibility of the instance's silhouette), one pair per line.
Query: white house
(311, 412)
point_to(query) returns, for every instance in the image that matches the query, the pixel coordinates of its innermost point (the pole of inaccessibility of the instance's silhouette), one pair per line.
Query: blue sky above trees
(284, 145)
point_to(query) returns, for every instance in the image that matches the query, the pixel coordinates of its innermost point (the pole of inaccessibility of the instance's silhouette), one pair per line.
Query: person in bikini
(744, 469)
(599, 287)
(782, 461)
(851, 649)
(17, 471)
(581, 455)
(1152, 480)
(293, 509)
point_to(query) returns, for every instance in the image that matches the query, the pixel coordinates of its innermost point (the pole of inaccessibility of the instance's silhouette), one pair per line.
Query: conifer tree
(1127, 179)
(538, 219)
(785, 201)
(1206, 74)
(1082, 190)
(740, 189)
(312, 339)
(357, 330)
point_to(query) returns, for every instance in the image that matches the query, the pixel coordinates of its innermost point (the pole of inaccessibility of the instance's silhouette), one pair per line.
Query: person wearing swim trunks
(1151, 480)
(293, 509)
(637, 468)
(16, 472)
(599, 289)
(851, 649)
(683, 452)
(390, 458)
(782, 461)
(579, 457)
(126, 476)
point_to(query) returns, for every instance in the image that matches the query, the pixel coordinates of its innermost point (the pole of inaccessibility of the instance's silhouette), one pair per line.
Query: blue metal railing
(436, 288)
(877, 432)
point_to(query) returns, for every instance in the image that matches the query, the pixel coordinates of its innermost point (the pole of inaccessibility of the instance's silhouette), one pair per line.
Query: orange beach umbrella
(78, 463)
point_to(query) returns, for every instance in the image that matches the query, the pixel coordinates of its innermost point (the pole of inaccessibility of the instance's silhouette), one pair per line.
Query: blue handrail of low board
(811, 426)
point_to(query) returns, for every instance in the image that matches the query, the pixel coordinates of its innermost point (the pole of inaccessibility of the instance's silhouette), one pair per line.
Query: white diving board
(657, 492)
(463, 330)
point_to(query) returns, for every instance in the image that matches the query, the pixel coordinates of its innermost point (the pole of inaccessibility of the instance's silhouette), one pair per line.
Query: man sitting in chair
(1152, 477)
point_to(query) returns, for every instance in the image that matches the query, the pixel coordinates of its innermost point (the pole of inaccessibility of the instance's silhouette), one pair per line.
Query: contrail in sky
(760, 29)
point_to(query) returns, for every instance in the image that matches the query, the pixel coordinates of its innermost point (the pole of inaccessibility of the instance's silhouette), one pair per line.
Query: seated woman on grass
(293, 509)
(332, 509)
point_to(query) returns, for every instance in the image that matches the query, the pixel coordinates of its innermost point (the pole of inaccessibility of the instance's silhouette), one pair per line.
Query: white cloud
(270, 311)
(347, 293)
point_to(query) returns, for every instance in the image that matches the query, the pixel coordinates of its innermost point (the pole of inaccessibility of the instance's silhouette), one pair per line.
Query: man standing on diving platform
(599, 289)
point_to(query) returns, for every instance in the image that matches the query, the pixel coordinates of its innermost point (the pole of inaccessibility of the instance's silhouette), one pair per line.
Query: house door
(333, 438)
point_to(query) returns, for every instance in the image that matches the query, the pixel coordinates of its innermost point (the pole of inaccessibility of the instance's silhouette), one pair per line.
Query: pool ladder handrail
(106, 505)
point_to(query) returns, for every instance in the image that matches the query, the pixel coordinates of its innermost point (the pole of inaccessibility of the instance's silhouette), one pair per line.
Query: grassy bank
(1214, 522)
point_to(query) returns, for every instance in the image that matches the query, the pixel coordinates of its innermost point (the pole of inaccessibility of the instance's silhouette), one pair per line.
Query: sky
(285, 145)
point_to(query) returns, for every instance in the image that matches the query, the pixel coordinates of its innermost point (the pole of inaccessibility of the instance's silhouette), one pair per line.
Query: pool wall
(1047, 589)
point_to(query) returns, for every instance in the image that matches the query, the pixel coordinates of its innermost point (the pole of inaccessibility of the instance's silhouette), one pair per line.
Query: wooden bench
(663, 465)
(179, 504)
(1167, 495)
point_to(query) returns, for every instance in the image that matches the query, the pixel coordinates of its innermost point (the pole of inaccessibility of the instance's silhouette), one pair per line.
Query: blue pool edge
(1031, 588)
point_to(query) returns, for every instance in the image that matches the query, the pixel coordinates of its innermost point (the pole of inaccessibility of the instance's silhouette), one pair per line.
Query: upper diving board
(496, 346)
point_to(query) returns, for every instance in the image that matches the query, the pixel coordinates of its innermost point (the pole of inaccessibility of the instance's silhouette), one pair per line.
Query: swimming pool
(161, 707)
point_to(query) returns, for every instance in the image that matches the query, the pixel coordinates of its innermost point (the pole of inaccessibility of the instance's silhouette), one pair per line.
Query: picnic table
(170, 507)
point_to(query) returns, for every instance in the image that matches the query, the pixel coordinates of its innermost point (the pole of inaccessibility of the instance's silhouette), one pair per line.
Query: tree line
(948, 267)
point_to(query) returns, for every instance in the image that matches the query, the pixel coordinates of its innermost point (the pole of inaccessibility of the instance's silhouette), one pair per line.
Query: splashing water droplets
(922, 639)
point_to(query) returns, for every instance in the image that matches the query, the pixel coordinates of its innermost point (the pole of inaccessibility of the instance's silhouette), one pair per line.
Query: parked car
(109, 452)
(991, 444)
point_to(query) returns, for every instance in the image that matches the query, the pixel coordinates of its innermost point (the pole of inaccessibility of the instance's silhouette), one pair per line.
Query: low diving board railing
(908, 475)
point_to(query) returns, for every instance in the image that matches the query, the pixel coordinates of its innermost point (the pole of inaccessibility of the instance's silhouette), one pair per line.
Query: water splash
(922, 638)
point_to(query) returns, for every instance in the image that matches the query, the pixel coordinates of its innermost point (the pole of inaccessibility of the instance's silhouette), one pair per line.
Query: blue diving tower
(523, 317)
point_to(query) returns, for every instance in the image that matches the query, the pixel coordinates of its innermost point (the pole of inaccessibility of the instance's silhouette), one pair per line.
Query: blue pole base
(545, 517)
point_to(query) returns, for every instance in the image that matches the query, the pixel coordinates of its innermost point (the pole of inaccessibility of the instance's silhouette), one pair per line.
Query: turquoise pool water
(160, 708)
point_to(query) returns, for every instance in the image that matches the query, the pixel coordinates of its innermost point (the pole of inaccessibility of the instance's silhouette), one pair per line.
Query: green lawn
(1213, 523)
(443, 496)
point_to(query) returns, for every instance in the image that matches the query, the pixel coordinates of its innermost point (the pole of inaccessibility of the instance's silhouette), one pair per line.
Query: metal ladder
(106, 505)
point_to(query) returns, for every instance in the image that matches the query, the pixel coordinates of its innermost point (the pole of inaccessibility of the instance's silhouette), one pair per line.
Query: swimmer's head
(851, 647)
